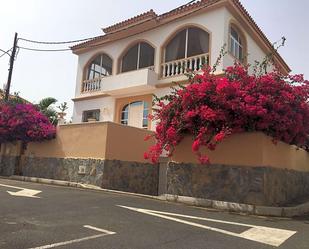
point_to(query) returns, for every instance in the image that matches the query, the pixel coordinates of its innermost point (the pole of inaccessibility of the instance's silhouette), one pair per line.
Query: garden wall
(100, 140)
(252, 185)
(9, 157)
(110, 174)
(248, 149)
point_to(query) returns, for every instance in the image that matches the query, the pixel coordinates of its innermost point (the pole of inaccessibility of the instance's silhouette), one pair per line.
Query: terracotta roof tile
(142, 17)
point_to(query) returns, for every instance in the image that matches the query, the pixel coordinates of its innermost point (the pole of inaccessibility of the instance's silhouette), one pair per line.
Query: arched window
(100, 66)
(135, 114)
(139, 56)
(187, 43)
(236, 41)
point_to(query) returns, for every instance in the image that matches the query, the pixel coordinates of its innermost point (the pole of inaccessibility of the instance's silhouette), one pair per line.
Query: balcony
(123, 83)
(180, 67)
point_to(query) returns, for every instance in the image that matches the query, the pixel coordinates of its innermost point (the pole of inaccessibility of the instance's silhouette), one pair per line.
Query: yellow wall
(102, 140)
(248, 149)
(75, 140)
(127, 143)
(10, 149)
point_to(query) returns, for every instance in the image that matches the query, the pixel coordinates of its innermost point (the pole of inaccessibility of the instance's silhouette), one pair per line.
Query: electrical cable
(5, 52)
(44, 50)
(73, 41)
(55, 42)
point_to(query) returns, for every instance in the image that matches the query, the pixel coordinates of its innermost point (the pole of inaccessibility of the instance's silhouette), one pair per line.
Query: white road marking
(24, 192)
(99, 229)
(10, 186)
(261, 234)
(103, 233)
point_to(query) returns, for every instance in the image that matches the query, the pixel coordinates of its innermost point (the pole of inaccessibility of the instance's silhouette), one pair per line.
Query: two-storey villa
(119, 72)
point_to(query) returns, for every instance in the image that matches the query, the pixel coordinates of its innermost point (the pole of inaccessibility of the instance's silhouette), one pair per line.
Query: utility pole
(12, 58)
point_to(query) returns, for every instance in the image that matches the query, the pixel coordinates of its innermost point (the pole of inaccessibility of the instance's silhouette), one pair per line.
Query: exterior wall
(87, 140)
(263, 186)
(110, 174)
(106, 106)
(255, 53)
(216, 22)
(212, 21)
(9, 157)
(127, 143)
(248, 149)
(121, 102)
(99, 140)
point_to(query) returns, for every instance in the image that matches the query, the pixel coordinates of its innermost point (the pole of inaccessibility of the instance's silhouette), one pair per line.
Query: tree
(45, 106)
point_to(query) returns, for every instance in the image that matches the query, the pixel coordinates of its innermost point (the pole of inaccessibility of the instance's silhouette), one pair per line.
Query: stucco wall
(102, 140)
(105, 104)
(255, 52)
(217, 23)
(77, 140)
(248, 149)
(213, 21)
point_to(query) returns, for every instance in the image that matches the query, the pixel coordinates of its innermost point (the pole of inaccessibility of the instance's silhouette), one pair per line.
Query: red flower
(219, 137)
(209, 108)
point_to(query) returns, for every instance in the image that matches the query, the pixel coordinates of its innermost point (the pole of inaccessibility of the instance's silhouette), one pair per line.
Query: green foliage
(45, 107)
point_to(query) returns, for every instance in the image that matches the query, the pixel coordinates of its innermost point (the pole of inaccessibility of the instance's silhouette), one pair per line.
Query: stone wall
(252, 185)
(7, 165)
(111, 174)
(131, 177)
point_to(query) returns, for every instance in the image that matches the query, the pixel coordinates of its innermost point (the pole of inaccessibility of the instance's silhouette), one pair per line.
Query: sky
(53, 74)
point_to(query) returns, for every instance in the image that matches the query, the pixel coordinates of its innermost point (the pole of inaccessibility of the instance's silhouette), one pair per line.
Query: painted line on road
(24, 192)
(261, 234)
(99, 229)
(68, 242)
(9, 186)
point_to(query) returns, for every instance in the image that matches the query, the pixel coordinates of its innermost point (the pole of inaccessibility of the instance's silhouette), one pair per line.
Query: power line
(5, 52)
(72, 41)
(45, 50)
(55, 42)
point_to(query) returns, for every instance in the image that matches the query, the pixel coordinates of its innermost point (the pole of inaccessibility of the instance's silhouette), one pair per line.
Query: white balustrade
(91, 85)
(179, 67)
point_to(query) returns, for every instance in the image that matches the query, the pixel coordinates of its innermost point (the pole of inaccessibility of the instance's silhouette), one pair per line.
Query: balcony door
(135, 114)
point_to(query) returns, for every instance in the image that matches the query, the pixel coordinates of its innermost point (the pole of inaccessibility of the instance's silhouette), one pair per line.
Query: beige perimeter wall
(248, 149)
(101, 140)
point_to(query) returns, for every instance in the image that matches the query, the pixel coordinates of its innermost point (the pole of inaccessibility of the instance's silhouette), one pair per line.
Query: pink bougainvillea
(23, 122)
(210, 108)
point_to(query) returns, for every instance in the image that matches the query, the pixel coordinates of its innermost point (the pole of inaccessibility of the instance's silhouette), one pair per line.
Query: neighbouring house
(119, 71)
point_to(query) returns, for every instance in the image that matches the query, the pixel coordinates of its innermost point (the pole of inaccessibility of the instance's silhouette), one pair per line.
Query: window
(186, 43)
(100, 66)
(91, 115)
(236, 44)
(139, 56)
(135, 114)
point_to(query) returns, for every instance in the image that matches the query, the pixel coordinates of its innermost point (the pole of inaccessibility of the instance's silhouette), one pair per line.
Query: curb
(199, 202)
(78, 185)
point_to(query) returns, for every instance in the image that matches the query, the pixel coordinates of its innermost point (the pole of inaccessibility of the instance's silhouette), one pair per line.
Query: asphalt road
(74, 218)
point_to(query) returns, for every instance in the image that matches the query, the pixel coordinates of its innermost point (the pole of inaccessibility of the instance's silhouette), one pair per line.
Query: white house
(119, 71)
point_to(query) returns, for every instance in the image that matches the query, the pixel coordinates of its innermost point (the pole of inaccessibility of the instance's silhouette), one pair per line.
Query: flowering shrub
(25, 123)
(210, 108)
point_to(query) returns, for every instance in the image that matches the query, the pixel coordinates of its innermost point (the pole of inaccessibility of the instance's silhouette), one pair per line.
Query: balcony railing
(92, 85)
(122, 83)
(179, 67)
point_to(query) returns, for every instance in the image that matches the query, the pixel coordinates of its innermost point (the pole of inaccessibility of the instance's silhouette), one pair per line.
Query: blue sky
(43, 74)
